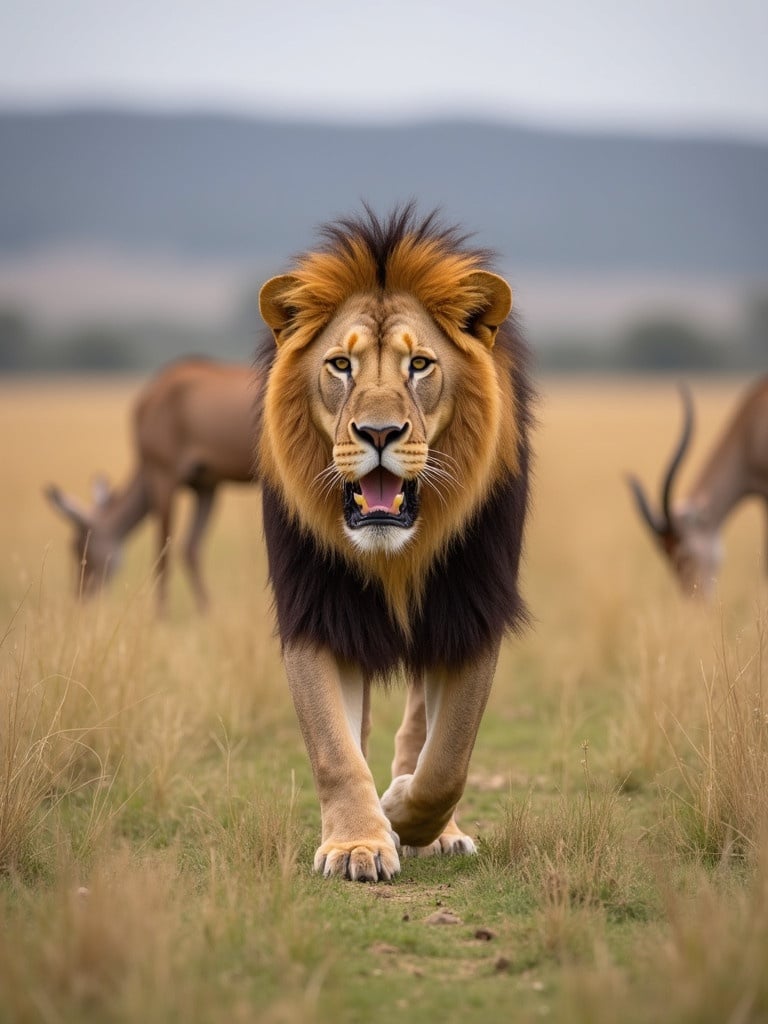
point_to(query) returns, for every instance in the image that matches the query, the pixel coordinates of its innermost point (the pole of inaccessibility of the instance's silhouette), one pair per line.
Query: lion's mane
(456, 593)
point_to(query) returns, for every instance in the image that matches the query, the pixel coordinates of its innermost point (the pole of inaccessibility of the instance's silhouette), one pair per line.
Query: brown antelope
(193, 427)
(689, 531)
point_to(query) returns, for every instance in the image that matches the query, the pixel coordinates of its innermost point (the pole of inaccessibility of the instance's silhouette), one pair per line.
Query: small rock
(485, 934)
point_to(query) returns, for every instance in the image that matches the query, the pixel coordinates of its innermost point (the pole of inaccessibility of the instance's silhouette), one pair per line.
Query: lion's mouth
(380, 499)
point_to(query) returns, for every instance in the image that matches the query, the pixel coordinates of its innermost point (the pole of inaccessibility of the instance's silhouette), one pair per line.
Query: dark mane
(381, 236)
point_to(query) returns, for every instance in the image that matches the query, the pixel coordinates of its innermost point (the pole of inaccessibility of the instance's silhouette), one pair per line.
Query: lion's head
(388, 417)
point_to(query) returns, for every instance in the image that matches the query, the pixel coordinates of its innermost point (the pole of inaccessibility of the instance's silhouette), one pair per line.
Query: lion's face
(382, 378)
(384, 426)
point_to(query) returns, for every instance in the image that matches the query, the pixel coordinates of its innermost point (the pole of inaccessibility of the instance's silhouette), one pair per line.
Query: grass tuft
(574, 861)
(38, 755)
(720, 804)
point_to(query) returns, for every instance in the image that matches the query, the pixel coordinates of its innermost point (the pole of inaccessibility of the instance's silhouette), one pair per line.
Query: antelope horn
(663, 525)
(642, 505)
(678, 455)
(69, 507)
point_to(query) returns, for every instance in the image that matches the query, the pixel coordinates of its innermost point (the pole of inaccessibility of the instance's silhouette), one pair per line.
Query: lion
(394, 454)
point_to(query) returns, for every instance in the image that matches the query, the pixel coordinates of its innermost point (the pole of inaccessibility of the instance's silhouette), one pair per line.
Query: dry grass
(36, 757)
(706, 964)
(157, 818)
(722, 764)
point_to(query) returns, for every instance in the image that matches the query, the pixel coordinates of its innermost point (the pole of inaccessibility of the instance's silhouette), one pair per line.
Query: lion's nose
(379, 437)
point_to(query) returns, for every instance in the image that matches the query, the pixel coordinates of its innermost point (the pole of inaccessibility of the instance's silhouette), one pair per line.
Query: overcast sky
(689, 65)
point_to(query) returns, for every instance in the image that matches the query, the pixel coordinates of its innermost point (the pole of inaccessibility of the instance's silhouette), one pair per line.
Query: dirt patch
(443, 917)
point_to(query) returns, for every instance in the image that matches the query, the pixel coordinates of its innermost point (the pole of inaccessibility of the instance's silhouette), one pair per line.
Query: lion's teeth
(365, 508)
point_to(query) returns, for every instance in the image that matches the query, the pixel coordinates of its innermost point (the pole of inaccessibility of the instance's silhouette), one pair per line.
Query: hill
(216, 186)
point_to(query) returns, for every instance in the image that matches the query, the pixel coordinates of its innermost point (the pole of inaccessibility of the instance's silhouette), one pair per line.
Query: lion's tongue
(380, 488)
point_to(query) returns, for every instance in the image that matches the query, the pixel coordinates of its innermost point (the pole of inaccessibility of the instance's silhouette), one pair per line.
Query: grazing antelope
(193, 427)
(689, 531)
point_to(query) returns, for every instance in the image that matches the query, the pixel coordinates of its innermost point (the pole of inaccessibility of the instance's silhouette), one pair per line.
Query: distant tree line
(652, 344)
(109, 348)
(95, 348)
(667, 344)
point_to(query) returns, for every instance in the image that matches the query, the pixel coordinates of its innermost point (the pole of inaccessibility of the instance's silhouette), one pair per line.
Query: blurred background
(159, 161)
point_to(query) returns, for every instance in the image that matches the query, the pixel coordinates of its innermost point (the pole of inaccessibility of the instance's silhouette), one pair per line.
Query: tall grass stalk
(37, 755)
(721, 800)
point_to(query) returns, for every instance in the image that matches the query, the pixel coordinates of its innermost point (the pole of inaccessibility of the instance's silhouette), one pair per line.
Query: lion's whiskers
(439, 477)
(327, 479)
(442, 472)
(434, 456)
(437, 454)
(434, 486)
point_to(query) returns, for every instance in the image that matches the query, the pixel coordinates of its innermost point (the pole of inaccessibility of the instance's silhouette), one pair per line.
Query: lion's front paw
(360, 861)
(395, 801)
(417, 823)
(452, 841)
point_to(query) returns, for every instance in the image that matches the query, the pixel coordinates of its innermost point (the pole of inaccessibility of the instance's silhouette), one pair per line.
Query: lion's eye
(340, 363)
(419, 363)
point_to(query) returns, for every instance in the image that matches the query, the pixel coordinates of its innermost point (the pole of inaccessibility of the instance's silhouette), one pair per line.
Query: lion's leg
(365, 725)
(412, 734)
(332, 707)
(409, 742)
(420, 804)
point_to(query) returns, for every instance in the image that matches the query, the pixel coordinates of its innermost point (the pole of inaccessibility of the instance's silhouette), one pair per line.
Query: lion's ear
(274, 306)
(493, 305)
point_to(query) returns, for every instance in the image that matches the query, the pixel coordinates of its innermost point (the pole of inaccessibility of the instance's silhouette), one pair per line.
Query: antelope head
(683, 530)
(96, 548)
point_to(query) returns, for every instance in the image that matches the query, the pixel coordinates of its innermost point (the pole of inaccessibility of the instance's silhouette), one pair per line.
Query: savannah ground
(157, 816)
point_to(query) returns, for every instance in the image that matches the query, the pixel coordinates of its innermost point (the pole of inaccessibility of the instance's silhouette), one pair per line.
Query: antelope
(193, 427)
(688, 531)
